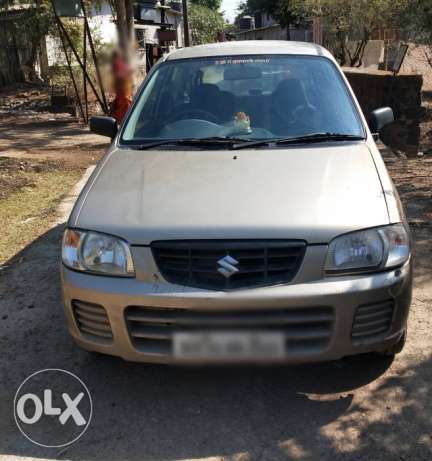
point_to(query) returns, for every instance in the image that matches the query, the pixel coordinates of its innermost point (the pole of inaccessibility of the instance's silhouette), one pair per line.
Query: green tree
(351, 21)
(416, 20)
(243, 9)
(205, 24)
(36, 22)
(285, 12)
(211, 4)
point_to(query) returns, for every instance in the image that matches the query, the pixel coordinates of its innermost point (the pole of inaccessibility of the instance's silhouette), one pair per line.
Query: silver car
(243, 213)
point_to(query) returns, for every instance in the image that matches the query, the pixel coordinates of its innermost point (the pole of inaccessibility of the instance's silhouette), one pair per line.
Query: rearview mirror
(105, 126)
(242, 72)
(379, 118)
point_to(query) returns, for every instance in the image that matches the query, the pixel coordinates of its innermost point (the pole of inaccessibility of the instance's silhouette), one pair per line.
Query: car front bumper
(318, 317)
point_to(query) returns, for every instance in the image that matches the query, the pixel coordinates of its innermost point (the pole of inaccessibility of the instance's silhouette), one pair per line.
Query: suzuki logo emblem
(228, 266)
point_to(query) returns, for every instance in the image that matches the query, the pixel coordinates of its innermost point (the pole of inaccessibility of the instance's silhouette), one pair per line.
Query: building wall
(275, 32)
(373, 53)
(101, 23)
(151, 30)
(175, 20)
(416, 62)
(103, 27)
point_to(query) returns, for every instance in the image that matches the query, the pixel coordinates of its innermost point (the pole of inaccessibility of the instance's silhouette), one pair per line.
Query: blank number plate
(229, 346)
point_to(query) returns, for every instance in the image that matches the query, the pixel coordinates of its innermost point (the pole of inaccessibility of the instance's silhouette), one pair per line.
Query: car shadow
(158, 412)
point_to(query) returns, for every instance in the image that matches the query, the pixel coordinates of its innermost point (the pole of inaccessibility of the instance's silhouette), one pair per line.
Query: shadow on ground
(357, 408)
(35, 136)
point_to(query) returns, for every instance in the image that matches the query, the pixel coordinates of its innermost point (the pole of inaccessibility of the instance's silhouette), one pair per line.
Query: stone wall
(373, 53)
(416, 62)
(402, 93)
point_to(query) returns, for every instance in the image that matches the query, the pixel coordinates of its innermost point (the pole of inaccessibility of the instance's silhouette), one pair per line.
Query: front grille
(92, 320)
(306, 330)
(372, 320)
(259, 263)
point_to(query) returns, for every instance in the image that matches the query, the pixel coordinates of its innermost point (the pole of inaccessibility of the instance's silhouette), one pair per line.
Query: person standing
(122, 83)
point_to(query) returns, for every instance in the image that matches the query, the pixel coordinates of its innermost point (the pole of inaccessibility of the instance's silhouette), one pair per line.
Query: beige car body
(312, 193)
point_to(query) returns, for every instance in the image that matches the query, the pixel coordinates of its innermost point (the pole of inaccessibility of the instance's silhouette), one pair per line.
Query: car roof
(249, 47)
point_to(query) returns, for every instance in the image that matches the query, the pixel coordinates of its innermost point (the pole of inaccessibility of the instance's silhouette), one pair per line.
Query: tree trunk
(30, 63)
(35, 37)
(43, 59)
(342, 50)
(121, 23)
(357, 59)
(130, 28)
(125, 27)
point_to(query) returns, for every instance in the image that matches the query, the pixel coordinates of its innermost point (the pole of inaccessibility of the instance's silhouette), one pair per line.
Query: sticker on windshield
(224, 61)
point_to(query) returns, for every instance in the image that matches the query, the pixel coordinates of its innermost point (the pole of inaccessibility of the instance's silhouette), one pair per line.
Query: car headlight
(96, 253)
(368, 250)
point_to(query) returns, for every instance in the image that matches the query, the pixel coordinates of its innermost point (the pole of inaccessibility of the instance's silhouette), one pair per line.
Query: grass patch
(28, 212)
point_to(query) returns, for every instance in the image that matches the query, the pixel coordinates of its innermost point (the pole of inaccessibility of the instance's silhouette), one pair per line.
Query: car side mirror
(105, 126)
(379, 118)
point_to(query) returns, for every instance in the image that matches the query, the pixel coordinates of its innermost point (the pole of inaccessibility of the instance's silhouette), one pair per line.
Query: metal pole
(85, 68)
(185, 23)
(82, 67)
(66, 35)
(70, 70)
(95, 61)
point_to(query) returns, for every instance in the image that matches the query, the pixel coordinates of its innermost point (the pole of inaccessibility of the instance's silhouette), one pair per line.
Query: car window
(255, 97)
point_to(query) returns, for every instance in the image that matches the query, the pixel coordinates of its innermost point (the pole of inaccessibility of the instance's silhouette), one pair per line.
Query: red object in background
(122, 76)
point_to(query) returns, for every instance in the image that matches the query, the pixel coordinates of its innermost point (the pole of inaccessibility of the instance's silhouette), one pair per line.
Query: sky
(230, 6)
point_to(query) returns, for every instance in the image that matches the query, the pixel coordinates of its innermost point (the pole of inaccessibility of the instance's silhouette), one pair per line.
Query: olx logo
(53, 408)
(47, 408)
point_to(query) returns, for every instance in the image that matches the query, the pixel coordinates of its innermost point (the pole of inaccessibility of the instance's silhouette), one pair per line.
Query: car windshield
(245, 97)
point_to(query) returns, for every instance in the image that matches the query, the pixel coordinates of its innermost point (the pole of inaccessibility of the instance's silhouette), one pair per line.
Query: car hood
(312, 193)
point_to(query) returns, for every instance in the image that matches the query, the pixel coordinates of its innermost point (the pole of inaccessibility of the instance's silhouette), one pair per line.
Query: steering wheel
(307, 115)
(303, 116)
(193, 113)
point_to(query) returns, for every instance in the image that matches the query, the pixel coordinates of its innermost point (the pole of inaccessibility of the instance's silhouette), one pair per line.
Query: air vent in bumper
(92, 320)
(306, 330)
(372, 321)
(256, 262)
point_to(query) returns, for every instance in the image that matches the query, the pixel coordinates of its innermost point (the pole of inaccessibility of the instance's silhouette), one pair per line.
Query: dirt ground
(42, 155)
(49, 137)
(358, 408)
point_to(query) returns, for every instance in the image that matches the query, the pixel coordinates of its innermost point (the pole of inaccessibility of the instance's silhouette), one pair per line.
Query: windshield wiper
(210, 141)
(241, 143)
(310, 138)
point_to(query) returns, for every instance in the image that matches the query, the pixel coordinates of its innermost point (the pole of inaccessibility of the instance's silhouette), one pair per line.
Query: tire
(396, 348)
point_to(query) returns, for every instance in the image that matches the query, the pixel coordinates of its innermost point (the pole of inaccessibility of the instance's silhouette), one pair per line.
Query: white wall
(101, 23)
(102, 26)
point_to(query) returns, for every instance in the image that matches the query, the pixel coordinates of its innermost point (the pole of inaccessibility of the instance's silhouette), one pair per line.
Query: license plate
(229, 345)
